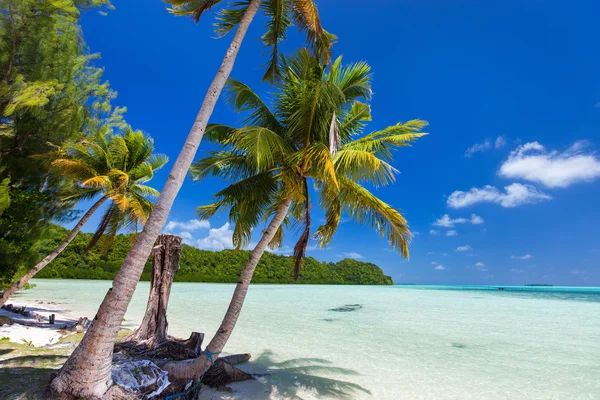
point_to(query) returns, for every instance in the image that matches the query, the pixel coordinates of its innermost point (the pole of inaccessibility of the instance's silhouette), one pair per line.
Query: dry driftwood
(194, 342)
(223, 373)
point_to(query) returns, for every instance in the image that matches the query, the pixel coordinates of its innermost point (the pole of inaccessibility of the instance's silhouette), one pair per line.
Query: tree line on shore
(202, 265)
(62, 142)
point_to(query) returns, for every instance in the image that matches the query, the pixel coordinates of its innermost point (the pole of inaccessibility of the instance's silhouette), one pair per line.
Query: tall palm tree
(113, 168)
(87, 371)
(311, 133)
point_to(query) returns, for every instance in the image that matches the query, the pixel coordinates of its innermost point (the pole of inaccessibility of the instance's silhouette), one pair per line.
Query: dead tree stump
(165, 263)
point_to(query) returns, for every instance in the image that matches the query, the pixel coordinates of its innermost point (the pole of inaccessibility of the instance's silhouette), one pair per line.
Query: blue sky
(505, 188)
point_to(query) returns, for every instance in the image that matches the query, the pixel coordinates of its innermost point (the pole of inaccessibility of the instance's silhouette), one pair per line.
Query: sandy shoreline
(26, 330)
(29, 333)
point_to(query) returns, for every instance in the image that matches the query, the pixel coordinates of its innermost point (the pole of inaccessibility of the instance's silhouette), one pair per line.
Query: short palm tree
(311, 133)
(86, 373)
(111, 167)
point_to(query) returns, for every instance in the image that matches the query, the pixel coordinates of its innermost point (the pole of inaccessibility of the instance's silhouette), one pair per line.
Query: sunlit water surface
(405, 342)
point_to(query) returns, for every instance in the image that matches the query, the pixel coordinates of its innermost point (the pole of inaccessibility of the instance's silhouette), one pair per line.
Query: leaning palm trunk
(194, 368)
(87, 372)
(48, 259)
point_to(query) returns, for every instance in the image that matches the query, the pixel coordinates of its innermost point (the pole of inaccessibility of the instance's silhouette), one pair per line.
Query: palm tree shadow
(25, 377)
(291, 378)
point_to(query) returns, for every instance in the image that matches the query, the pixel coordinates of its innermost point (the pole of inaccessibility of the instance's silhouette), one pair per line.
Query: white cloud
(353, 255)
(447, 222)
(478, 147)
(316, 248)
(451, 233)
(440, 268)
(285, 249)
(553, 169)
(185, 235)
(525, 257)
(514, 195)
(433, 232)
(434, 263)
(191, 225)
(500, 142)
(518, 271)
(480, 266)
(476, 219)
(187, 238)
(217, 239)
(464, 248)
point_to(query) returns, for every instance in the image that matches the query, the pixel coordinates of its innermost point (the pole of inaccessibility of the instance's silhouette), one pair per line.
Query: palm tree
(311, 133)
(87, 371)
(114, 168)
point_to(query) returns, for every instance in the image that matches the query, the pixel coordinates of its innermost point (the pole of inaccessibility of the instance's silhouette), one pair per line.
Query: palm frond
(316, 161)
(194, 8)
(218, 133)
(244, 99)
(278, 21)
(262, 147)
(381, 142)
(226, 164)
(354, 79)
(104, 223)
(306, 18)
(101, 182)
(365, 208)
(76, 169)
(363, 166)
(144, 190)
(353, 121)
(229, 18)
(302, 243)
(248, 200)
(277, 240)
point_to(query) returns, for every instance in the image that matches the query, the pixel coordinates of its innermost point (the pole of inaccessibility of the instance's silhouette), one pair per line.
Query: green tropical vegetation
(63, 142)
(201, 265)
(312, 135)
(99, 337)
(51, 92)
(112, 166)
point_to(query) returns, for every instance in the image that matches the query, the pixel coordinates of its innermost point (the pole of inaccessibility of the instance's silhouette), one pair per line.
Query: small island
(537, 284)
(203, 265)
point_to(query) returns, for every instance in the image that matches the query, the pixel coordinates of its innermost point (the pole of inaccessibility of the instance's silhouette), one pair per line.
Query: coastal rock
(347, 308)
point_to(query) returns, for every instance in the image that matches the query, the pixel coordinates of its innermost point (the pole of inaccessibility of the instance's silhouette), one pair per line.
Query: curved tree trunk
(193, 369)
(165, 263)
(87, 371)
(48, 259)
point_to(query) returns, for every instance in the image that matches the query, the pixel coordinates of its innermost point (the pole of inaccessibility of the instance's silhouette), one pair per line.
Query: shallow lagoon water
(405, 342)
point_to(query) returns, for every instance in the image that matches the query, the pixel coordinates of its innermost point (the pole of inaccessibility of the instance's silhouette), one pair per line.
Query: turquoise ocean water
(394, 342)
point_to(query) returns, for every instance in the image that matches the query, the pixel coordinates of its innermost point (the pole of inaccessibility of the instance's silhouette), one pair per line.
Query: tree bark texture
(193, 369)
(87, 372)
(165, 264)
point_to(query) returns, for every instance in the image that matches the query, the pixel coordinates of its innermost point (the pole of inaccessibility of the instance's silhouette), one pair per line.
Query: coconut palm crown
(280, 14)
(115, 166)
(314, 130)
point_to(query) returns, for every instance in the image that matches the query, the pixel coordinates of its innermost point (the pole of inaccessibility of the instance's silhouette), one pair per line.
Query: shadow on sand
(291, 379)
(25, 377)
